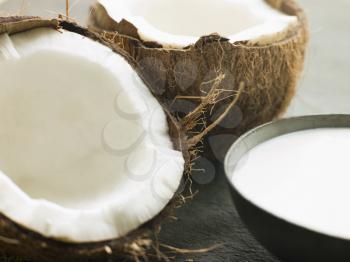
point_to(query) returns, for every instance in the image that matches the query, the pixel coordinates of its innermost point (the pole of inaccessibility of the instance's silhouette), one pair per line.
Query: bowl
(289, 241)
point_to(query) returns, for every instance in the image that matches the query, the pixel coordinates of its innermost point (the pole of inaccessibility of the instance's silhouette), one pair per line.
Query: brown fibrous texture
(181, 77)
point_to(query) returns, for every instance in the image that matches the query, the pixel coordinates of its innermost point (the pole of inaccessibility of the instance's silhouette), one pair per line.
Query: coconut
(181, 46)
(91, 162)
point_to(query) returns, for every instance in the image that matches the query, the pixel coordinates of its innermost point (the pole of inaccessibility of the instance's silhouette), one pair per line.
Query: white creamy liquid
(302, 177)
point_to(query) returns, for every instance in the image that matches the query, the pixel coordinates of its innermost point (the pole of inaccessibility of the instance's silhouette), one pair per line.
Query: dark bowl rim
(246, 135)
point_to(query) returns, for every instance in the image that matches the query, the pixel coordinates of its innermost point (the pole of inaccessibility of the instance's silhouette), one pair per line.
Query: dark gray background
(211, 218)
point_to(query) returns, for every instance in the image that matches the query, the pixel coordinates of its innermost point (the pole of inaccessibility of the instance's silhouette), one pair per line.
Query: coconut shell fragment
(269, 69)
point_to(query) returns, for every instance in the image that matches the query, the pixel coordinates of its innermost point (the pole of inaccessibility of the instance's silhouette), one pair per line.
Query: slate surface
(211, 219)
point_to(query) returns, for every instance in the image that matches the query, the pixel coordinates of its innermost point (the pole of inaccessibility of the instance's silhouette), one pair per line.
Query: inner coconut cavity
(179, 23)
(85, 152)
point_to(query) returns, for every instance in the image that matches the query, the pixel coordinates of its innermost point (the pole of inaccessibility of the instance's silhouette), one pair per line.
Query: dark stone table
(210, 219)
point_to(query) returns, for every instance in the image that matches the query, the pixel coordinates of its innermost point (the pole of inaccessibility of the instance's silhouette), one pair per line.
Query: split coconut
(91, 163)
(256, 43)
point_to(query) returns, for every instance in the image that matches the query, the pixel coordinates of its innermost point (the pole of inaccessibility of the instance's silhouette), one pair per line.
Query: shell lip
(127, 28)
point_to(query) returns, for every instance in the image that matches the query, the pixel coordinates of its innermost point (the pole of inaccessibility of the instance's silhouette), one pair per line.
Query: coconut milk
(302, 177)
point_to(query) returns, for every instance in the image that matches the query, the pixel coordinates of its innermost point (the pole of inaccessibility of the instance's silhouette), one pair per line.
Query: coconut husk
(139, 245)
(269, 70)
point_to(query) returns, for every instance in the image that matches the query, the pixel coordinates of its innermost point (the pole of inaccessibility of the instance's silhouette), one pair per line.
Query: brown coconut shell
(137, 245)
(268, 69)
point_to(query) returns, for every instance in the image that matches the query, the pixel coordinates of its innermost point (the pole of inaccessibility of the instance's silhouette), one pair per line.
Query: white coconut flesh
(179, 23)
(85, 153)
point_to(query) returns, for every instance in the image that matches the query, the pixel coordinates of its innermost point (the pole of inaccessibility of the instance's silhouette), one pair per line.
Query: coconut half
(82, 139)
(183, 45)
(90, 161)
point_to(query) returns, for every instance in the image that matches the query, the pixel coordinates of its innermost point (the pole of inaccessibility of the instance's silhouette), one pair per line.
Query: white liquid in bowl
(302, 177)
